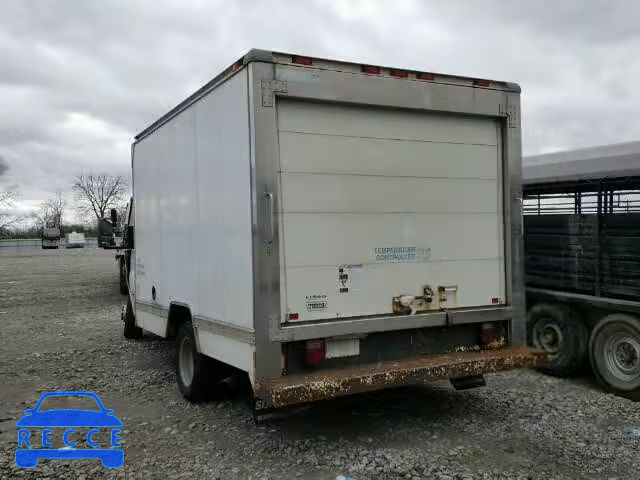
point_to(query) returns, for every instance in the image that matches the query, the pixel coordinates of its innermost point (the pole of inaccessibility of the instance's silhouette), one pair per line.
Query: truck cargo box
(310, 216)
(74, 240)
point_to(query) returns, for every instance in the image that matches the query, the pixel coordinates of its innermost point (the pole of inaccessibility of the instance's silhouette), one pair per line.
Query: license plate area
(342, 347)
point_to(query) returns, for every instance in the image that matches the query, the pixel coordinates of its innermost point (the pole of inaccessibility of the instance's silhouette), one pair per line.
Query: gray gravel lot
(61, 330)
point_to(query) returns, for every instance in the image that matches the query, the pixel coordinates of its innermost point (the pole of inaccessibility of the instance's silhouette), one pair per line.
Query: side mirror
(114, 216)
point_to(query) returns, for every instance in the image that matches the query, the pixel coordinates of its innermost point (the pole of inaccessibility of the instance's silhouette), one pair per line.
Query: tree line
(94, 197)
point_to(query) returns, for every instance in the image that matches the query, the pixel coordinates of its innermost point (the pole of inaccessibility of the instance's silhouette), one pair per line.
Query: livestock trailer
(330, 228)
(582, 251)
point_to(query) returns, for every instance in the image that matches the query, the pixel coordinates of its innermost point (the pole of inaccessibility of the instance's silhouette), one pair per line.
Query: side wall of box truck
(330, 228)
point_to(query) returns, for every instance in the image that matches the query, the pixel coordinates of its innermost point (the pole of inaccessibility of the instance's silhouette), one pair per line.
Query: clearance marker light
(371, 69)
(302, 60)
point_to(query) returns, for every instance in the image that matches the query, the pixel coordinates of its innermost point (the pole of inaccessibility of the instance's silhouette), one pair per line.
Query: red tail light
(314, 352)
(294, 316)
(490, 332)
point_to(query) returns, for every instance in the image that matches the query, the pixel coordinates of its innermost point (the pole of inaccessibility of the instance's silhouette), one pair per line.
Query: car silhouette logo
(70, 419)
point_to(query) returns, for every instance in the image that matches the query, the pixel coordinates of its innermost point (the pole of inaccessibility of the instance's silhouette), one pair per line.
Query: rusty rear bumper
(303, 388)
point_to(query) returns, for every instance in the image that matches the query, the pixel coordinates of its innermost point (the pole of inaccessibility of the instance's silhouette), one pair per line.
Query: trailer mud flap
(304, 388)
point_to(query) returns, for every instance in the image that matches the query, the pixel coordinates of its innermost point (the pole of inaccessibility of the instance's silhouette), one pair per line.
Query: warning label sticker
(401, 254)
(316, 303)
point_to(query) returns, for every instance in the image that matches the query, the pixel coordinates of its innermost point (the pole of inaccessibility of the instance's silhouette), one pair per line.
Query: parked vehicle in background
(123, 253)
(50, 237)
(331, 228)
(110, 233)
(74, 240)
(582, 251)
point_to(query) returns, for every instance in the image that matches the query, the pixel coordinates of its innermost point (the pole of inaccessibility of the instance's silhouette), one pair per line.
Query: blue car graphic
(68, 418)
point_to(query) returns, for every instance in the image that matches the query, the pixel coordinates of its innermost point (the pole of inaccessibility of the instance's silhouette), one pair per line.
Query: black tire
(124, 287)
(131, 331)
(553, 328)
(614, 351)
(206, 373)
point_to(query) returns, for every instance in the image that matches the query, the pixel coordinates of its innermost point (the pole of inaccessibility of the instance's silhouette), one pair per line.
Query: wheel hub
(622, 354)
(186, 361)
(548, 336)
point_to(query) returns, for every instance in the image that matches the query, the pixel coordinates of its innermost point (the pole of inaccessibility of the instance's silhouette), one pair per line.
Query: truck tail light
(490, 332)
(314, 352)
(294, 316)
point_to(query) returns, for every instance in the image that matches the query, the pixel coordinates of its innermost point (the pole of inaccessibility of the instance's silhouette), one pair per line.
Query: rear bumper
(304, 388)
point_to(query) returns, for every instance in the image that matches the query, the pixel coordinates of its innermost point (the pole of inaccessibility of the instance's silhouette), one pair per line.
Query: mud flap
(466, 383)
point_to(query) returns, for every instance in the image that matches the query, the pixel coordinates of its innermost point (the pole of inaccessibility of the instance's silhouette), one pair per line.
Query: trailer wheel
(614, 349)
(124, 288)
(553, 329)
(131, 330)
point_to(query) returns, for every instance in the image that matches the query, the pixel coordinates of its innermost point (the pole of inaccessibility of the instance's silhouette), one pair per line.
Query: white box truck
(331, 228)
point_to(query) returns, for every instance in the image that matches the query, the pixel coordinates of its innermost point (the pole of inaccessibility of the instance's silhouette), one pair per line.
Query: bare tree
(99, 193)
(7, 220)
(51, 211)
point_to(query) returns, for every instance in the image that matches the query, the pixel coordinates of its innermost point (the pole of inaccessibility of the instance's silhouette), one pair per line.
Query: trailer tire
(124, 288)
(131, 330)
(614, 351)
(553, 329)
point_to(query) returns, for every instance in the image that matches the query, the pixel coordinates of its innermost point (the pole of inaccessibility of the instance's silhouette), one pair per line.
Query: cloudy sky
(78, 78)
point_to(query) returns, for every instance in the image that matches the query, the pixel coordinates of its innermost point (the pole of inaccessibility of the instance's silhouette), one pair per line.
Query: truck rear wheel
(553, 329)
(614, 349)
(197, 374)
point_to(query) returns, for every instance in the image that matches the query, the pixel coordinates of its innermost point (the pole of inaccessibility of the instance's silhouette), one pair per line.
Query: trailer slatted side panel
(560, 251)
(563, 252)
(621, 256)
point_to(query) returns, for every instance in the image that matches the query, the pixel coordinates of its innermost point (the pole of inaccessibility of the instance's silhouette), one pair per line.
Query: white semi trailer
(330, 228)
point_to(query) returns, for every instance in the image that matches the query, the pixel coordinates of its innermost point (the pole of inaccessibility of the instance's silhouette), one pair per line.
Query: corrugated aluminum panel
(377, 203)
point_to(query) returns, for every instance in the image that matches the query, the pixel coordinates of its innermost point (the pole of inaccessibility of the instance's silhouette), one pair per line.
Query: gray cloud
(4, 167)
(79, 78)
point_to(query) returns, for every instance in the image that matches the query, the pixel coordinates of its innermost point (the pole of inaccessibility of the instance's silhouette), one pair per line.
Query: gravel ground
(61, 330)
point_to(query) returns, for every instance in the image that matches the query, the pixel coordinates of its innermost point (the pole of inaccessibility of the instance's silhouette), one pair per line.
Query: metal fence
(17, 245)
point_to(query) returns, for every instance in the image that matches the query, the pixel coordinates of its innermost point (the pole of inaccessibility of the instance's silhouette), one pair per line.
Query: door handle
(269, 226)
